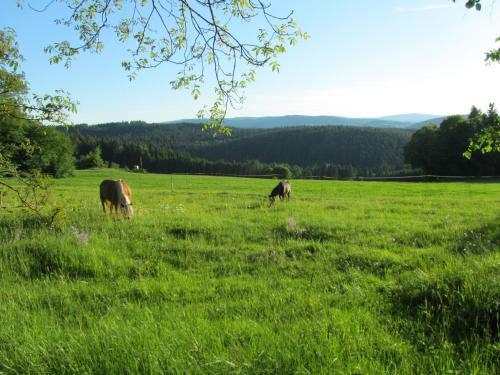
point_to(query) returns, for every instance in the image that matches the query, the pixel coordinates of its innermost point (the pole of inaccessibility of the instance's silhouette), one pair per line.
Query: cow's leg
(271, 201)
(103, 202)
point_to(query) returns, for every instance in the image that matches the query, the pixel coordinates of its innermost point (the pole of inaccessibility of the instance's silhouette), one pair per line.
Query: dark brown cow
(117, 194)
(282, 190)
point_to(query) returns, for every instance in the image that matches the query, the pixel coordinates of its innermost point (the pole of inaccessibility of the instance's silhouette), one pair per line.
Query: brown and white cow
(117, 194)
(282, 190)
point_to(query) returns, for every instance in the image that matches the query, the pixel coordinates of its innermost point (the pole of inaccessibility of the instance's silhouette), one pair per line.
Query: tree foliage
(440, 150)
(26, 147)
(487, 139)
(21, 114)
(492, 56)
(221, 39)
(29, 152)
(34, 148)
(16, 101)
(92, 159)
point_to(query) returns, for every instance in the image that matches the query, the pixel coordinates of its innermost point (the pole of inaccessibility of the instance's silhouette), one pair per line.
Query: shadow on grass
(481, 240)
(36, 261)
(462, 300)
(292, 231)
(13, 226)
(183, 233)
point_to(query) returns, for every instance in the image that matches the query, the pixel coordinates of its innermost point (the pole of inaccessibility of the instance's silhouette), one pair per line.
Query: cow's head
(127, 208)
(272, 198)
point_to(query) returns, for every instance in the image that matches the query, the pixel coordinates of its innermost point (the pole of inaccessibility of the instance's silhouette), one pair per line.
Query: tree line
(331, 151)
(442, 150)
(336, 151)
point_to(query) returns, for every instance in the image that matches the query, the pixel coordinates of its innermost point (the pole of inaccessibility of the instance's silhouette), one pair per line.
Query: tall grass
(347, 277)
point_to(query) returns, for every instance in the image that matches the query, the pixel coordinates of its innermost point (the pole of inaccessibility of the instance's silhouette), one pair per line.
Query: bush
(113, 165)
(280, 170)
(32, 147)
(91, 160)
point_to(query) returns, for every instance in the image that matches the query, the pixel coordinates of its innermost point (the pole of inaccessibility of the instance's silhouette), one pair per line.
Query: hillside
(357, 146)
(360, 147)
(179, 136)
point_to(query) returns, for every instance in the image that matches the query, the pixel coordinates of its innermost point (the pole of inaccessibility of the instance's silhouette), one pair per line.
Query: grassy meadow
(347, 278)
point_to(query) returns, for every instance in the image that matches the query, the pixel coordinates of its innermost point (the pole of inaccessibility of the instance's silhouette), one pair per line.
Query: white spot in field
(81, 236)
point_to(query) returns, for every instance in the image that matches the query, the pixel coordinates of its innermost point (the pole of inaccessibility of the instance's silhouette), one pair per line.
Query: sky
(365, 58)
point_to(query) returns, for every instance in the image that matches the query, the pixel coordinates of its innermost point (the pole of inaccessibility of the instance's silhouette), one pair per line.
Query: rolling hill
(394, 121)
(300, 145)
(436, 121)
(409, 117)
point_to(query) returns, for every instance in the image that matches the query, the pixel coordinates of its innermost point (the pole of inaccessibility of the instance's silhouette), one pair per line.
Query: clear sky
(365, 58)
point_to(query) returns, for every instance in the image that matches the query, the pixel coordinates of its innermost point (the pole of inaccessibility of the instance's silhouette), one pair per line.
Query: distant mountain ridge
(436, 121)
(410, 117)
(402, 121)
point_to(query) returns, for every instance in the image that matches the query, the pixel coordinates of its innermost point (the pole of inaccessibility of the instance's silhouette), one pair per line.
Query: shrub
(91, 160)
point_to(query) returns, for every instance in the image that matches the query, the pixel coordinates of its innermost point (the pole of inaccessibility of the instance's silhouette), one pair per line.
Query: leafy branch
(15, 99)
(492, 56)
(16, 103)
(200, 36)
(487, 138)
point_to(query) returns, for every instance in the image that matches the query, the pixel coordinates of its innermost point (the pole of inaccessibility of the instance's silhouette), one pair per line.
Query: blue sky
(365, 58)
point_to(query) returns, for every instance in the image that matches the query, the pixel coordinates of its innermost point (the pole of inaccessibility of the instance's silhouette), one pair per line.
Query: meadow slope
(347, 277)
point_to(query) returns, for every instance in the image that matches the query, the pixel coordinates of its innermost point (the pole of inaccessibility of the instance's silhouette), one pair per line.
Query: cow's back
(125, 189)
(278, 190)
(108, 191)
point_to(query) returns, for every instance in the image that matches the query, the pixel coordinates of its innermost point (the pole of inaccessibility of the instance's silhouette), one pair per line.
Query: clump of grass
(458, 303)
(307, 250)
(480, 240)
(380, 263)
(47, 259)
(291, 229)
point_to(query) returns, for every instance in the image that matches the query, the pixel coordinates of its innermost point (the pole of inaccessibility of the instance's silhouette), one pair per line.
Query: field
(347, 277)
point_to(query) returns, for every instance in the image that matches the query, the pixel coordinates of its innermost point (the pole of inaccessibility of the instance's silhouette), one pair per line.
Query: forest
(300, 152)
(331, 151)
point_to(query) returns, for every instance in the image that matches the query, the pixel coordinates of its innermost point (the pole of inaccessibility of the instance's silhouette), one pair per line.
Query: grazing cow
(117, 193)
(283, 189)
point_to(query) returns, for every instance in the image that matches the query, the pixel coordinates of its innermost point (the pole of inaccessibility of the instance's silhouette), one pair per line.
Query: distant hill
(409, 117)
(402, 121)
(436, 121)
(299, 120)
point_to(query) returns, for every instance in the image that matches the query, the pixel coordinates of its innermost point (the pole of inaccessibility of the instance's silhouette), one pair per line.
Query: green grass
(347, 277)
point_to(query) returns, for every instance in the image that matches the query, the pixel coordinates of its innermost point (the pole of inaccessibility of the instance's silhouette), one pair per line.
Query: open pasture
(347, 277)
